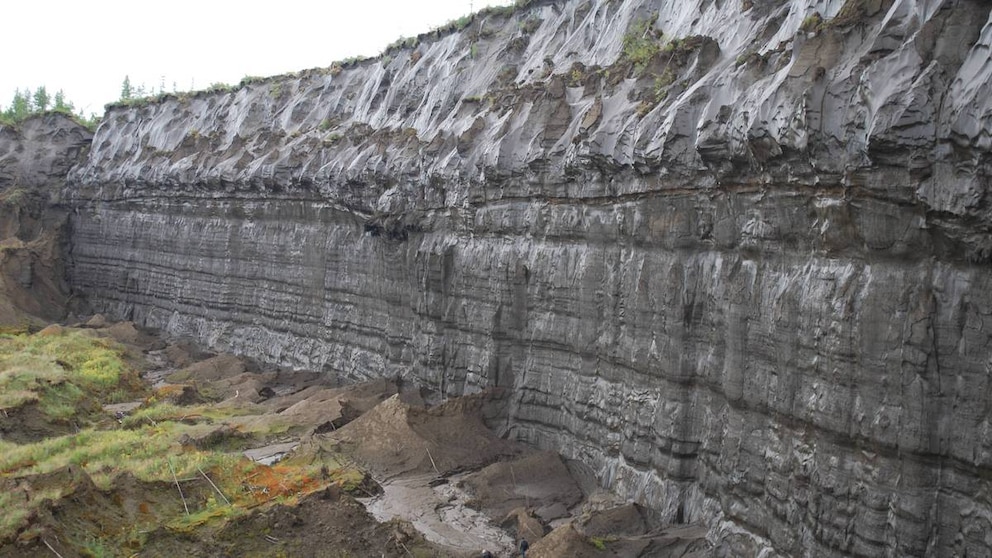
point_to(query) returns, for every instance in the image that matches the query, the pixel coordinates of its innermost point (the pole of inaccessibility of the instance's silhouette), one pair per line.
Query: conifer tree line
(27, 103)
(39, 101)
(130, 92)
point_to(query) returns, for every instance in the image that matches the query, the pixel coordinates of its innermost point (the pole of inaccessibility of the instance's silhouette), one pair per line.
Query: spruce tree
(61, 105)
(126, 92)
(41, 99)
(20, 107)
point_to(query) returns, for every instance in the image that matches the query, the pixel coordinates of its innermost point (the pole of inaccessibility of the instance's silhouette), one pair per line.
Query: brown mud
(32, 285)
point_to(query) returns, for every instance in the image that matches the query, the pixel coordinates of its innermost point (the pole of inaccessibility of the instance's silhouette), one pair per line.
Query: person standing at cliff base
(524, 545)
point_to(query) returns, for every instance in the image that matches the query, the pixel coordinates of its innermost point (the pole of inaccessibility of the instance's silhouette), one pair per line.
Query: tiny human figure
(524, 545)
(487, 554)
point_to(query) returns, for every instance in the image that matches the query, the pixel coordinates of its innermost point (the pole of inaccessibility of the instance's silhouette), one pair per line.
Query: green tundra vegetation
(58, 437)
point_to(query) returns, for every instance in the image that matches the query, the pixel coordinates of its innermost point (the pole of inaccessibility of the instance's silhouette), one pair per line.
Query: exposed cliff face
(745, 277)
(35, 156)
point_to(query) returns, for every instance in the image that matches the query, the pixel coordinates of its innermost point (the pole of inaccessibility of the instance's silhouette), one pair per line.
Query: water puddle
(440, 513)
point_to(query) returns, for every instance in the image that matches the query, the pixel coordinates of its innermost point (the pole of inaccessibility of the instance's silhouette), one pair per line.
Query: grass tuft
(68, 373)
(641, 44)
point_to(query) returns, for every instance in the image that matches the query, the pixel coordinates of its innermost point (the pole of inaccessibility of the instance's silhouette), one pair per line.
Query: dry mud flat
(391, 476)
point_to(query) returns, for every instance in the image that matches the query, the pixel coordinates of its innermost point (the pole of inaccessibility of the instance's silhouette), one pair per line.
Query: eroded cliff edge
(745, 279)
(35, 156)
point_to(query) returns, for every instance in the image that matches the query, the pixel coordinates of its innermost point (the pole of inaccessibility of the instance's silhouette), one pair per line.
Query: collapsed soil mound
(330, 408)
(395, 438)
(539, 481)
(220, 367)
(128, 334)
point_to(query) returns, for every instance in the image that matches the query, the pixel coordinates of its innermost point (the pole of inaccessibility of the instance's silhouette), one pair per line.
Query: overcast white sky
(86, 47)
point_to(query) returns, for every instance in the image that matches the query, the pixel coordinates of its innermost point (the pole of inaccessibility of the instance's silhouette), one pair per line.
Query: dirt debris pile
(183, 452)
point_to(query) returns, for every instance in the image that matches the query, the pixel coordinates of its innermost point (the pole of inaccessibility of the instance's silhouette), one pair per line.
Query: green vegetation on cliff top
(30, 103)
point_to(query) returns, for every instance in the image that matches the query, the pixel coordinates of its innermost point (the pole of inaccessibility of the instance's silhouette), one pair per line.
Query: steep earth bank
(734, 256)
(35, 157)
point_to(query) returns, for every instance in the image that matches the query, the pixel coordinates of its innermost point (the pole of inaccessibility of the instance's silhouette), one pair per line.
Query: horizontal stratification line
(791, 190)
(319, 203)
(593, 446)
(839, 439)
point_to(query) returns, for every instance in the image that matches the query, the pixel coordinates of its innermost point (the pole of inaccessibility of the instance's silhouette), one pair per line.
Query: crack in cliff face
(721, 274)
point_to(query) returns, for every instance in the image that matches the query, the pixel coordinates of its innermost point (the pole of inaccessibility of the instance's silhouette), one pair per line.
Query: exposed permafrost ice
(746, 280)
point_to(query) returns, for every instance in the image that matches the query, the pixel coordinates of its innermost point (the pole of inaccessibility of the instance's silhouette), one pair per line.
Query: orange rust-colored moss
(259, 483)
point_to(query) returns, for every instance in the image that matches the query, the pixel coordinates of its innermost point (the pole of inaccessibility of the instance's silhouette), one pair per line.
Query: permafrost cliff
(744, 277)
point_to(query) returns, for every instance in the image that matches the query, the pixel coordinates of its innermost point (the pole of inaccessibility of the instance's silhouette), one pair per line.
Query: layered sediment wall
(735, 256)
